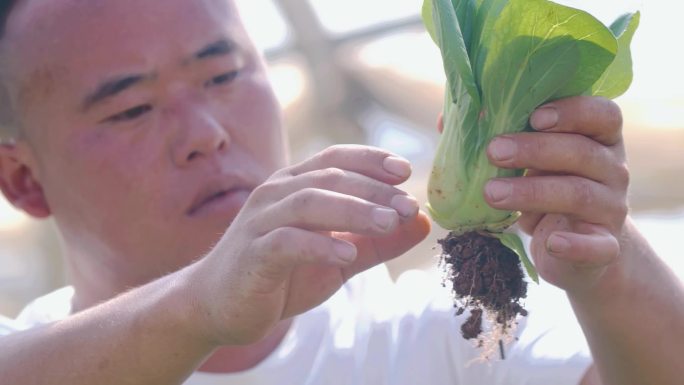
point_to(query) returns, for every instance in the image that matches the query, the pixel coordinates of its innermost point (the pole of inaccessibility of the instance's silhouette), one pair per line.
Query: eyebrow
(220, 47)
(112, 87)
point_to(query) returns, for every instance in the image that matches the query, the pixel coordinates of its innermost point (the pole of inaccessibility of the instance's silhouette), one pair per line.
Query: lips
(216, 192)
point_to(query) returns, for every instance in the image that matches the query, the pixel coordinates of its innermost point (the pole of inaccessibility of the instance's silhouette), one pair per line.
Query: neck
(91, 285)
(233, 359)
(103, 277)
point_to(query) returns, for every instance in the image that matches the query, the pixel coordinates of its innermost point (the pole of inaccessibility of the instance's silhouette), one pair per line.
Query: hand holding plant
(574, 197)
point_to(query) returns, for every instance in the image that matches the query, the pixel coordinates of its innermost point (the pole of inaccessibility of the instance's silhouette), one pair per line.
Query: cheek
(107, 174)
(110, 190)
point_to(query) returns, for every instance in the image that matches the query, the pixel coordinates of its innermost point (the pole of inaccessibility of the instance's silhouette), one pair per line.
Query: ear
(19, 185)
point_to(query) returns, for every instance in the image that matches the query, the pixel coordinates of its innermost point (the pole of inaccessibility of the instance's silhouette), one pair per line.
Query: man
(148, 130)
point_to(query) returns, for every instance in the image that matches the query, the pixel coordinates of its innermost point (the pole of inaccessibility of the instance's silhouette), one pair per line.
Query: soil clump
(486, 278)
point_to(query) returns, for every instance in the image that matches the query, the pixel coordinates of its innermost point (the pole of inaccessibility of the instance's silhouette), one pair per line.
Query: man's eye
(222, 79)
(130, 114)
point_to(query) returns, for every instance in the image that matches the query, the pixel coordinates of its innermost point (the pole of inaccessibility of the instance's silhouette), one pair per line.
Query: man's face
(150, 121)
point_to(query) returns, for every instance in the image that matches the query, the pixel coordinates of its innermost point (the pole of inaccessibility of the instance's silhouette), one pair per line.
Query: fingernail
(557, 244)
(503, 148)
(344, 251)
(544, 118)
(406, 205)
(384, 218)
(498, 190)
(397, 166)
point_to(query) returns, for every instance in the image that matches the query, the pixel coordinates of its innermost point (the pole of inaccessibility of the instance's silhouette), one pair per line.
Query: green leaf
(426, 14)
(520, 54)
(618, 77)
(537, 24)
(535, 51)
(465, 13)
(513, 242)
(447, 31)
(486, 14)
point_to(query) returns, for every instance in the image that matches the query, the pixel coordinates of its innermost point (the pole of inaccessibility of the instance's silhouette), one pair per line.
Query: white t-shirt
(378, 333)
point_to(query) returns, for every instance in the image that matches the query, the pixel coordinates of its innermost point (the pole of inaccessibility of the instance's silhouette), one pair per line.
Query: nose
(198, 135)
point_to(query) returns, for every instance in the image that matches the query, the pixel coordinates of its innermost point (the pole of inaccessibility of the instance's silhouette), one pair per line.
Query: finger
(343, 182)
(596, 249)
(288, 247)
(324, 210)
(595, 117)
(560, 153)
(370, 161)
(529, 221)
(570, 195)
(372, 251)
(440, 123)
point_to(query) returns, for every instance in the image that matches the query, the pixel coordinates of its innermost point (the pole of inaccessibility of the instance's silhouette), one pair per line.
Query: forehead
(93, 22)
(84, 39)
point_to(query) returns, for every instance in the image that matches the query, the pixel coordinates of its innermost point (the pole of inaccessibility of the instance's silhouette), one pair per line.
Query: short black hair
(6, 7)
(7, 127)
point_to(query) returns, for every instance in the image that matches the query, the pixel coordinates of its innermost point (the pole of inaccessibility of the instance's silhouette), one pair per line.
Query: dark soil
(486, 276)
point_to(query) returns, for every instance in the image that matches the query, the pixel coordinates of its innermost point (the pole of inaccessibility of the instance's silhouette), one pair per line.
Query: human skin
(574, 206)
(574, 202)
(131, 182)
(121, 178)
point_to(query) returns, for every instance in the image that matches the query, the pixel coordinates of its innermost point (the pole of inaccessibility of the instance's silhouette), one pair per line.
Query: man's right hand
(301, 235)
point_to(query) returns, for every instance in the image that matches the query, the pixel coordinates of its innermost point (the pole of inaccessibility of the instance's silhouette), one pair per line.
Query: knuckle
(252, 223)
(277, 242)
(613, 115)
(594, 152)
(265, 190)
(530, 147)
(303, 199)
(613, 253)
(357, 216)
(334, 152)
(622, 174)
(535, 192)
(349, 212)
(283, 173)
(329, 154)
(381, 194)
(336, 148)
(330, 177)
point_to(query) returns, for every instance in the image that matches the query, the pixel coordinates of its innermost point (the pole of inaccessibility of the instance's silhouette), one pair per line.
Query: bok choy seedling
(503, 59)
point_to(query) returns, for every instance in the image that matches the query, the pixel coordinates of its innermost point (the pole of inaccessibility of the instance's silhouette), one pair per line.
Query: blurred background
(364, 71)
